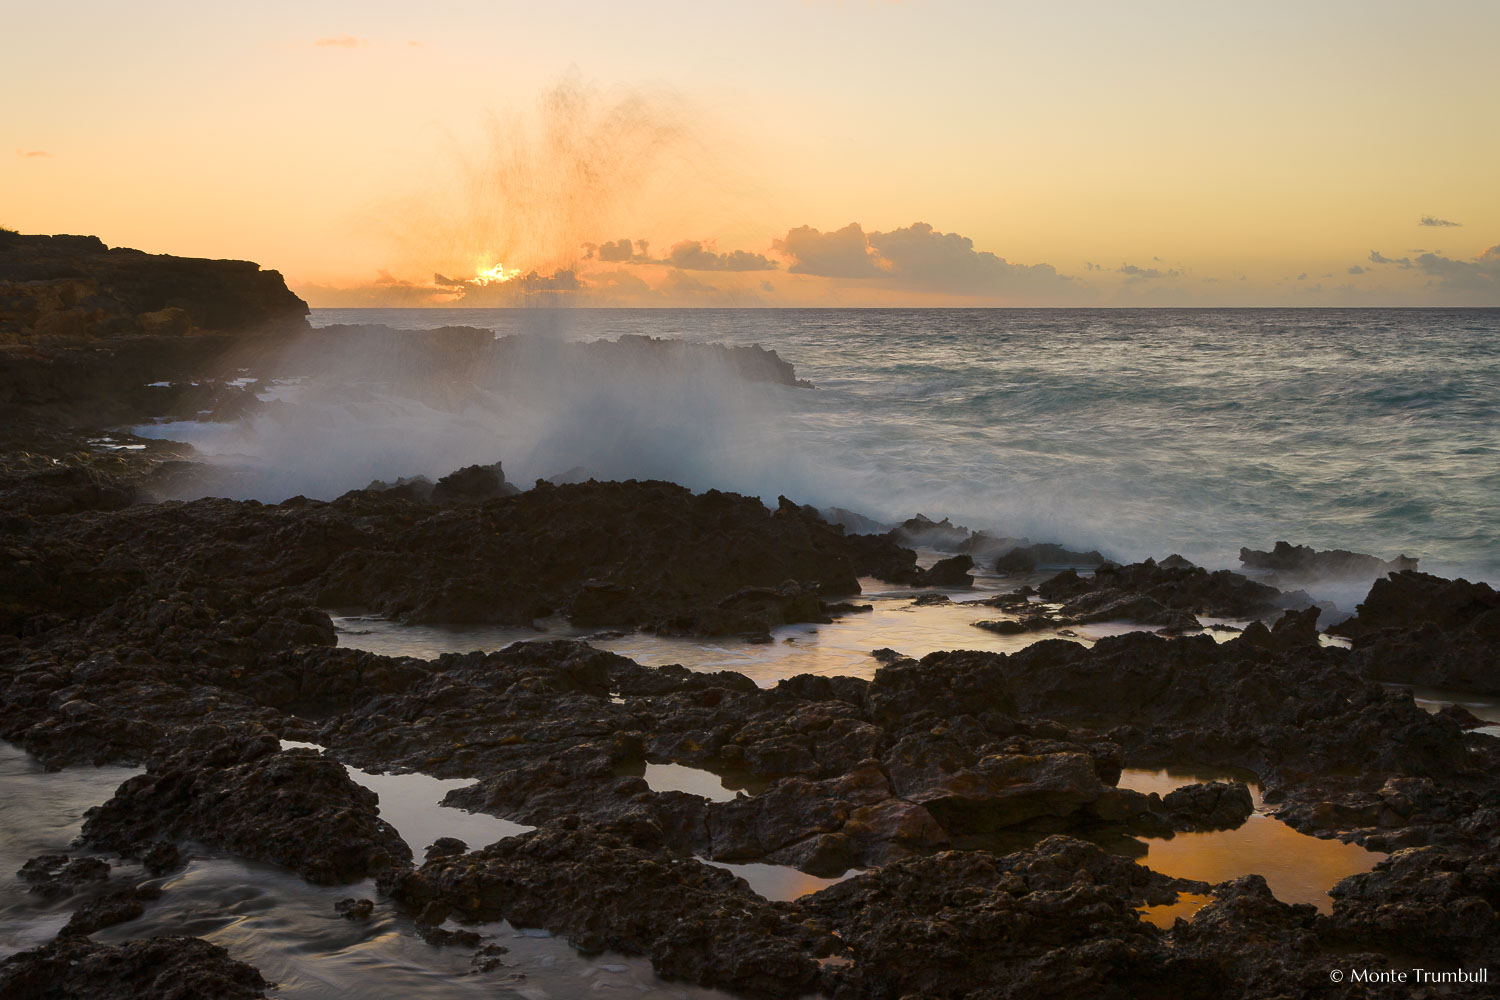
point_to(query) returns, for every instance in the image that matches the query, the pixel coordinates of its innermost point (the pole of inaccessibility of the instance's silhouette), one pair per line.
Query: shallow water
(778, 881)
(412, 803)
(1297, 867)
(842, 648)
(41, 813)
(282, 925)
(1486, 707)
(692, 780)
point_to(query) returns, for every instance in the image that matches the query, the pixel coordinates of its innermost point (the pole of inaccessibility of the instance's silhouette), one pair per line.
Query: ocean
(1138, 432)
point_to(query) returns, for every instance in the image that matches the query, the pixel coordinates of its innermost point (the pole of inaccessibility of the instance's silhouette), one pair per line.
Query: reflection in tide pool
(412, 804)
(1165, 915)
(840, 649)
(778, 882)
(1297, 867)
(693, 780)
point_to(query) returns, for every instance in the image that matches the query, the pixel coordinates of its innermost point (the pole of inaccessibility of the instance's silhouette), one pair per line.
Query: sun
(495, 275)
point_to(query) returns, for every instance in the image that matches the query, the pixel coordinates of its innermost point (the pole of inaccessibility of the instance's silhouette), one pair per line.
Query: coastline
(973, 798)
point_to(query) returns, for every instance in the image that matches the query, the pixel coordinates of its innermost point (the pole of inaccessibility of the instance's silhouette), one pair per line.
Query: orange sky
(776, 153)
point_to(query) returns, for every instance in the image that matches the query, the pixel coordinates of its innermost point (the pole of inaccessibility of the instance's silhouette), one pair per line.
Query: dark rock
(114, 906)
(1302, 562)
(696, 922)
(1428, 900)
(950, 572)
(161, 968)
(1213, 805)
(472, 483)
(57, 875)
(1031, 557)
(354, 909)
(1409, 600)
(293, 808)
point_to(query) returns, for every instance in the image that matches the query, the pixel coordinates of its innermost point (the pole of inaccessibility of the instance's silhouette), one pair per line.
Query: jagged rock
(1303, 562)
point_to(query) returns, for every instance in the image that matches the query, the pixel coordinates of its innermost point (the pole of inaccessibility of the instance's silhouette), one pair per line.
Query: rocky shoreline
(977, 794)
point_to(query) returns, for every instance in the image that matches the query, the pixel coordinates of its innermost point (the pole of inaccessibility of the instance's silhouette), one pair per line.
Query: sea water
(1139, 432)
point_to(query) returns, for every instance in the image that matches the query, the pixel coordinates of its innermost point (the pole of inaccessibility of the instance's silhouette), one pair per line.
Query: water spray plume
(533, 188)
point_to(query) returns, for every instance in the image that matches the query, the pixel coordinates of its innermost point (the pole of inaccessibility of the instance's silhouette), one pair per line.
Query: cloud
(915, 258)
(1376, 257)
(1356, 269)
(843, 253)
(1428, 220)
(617, 250)
(1136, 273)
(691, 255)
(341, 42)
(1481, 274)
(919, 257)
(32, 153)
(558, 281)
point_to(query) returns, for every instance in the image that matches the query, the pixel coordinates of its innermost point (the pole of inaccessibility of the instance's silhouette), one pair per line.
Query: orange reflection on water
(1165, 915)
(1298, 868)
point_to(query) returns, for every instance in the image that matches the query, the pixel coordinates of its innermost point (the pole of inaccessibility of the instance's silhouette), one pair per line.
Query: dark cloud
(1428, 220)
(1137, 273)
(921, 258)
(1482, 274)
(915, 258)
(1376, 257)
(559, 281)
(691, 255)
(445, 281)
(1356, 269)
(843, 253)
(617, 251)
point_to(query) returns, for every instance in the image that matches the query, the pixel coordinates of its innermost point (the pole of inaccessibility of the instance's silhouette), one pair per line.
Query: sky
(776, 152)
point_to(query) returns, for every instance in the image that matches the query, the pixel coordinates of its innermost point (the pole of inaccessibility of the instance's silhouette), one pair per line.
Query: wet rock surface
(934, 772)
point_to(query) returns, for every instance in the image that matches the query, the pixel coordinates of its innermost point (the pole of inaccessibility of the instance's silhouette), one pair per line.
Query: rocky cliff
(83, 325)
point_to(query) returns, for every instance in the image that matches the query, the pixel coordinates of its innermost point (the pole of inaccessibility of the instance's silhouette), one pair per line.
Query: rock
(114, 906)
(950, 572)
(1056, 920)
(1415, 628)
(1213, 805)
(59, 875)
(161, 968)
(1029, 558)
(293, 808)
(696, 922)
(1409, 600)
(354, 909)
(1302, 562)
(471, 483)
(1427, 900)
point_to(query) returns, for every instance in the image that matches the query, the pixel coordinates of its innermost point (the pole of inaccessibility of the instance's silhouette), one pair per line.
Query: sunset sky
(775, 152)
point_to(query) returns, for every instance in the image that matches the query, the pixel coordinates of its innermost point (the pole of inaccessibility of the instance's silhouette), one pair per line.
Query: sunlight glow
(496, 274)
